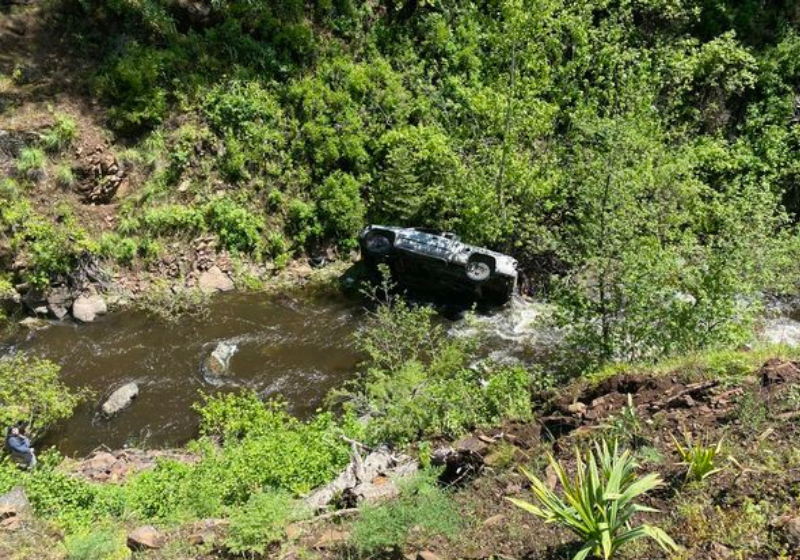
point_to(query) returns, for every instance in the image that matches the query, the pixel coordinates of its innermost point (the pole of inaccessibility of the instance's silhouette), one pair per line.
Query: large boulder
(214, 280)
(87, 308)
(59, 301)
(13, 506)
(146, 537)
(14, 502)
(120, 399)
(218, 364)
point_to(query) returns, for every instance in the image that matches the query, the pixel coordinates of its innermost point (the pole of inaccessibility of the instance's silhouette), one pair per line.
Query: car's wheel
(479, 268)
(377, 244)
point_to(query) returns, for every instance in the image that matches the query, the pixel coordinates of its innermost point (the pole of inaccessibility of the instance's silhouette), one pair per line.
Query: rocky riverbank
(752, 412)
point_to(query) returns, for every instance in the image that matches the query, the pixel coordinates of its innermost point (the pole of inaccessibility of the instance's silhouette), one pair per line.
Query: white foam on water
(781, 330)
(522, 327)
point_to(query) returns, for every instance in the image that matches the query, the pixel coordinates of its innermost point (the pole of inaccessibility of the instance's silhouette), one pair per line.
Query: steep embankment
(748, 509)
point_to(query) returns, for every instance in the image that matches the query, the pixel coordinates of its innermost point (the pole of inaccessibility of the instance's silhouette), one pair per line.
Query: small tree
(31, 391)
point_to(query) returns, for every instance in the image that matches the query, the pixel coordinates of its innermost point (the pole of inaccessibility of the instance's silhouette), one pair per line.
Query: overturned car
(437, 261)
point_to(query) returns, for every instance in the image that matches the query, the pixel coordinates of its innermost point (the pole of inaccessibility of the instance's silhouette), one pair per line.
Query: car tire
(377, 244)
(479, 268)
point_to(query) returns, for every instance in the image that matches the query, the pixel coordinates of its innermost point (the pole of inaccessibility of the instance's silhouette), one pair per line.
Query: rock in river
(217, 364)
(87, 308)
(214, 280)
(120, 398)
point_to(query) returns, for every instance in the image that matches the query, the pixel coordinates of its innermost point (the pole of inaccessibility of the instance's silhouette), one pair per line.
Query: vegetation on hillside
(640, 159)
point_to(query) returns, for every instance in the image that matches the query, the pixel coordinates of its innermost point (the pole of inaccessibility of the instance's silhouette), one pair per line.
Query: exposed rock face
(101, 177)
(217, 365)
(214, 280)
(14, 502)
(12, 507)
(208, 531)
(59, 301)
(120, 399)
(370, 479)
(146, 537)
(116, 466)
(87, 308)
(12, 142)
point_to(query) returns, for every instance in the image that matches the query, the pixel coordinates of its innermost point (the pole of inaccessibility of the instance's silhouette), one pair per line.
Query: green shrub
(241, 107)
(97, 544)
(172, 219)
(132, 84)
(302, 222)
(598, 506)
(45, 248)
(275, 200)
(30, 164)
(422, 507)
(341, 209)
(268, 448)
(258, 523)
(65, 178)
(237, 228)
(61, 135)
(31, 391)
(418, 381)
(121, 249)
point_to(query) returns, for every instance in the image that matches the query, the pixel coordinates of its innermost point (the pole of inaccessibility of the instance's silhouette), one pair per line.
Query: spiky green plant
(31, 164)
(599, 504)
(699, 458)
(61, 135)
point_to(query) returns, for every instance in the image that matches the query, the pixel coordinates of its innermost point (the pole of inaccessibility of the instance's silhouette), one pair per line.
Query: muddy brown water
(296, 349)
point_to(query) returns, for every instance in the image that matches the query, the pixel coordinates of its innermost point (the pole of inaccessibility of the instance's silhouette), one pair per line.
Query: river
(298, 349)
(294, 347)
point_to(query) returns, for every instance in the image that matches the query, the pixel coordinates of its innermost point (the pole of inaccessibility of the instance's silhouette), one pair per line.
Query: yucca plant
(699, 458)
(598, 505)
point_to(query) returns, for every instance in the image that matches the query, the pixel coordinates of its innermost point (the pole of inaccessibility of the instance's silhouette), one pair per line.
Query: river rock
(34, 323)
(120, 399)
(87, 308)
(214, 280)
(217, 364)
(146, 537)
(58, 302)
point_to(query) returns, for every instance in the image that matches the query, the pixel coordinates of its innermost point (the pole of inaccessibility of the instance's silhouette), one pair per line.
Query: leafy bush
(132, 83)
(341, 209)
(422, 506)
(61, 135)
(172, 219)
(237, 228)
(30, 164)
(121, 249)
(31, 391)
(302, 222)
(598, 506)
(268, 448)
(699, 458)
(259, 523)
(97, 544)
(417, 380)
